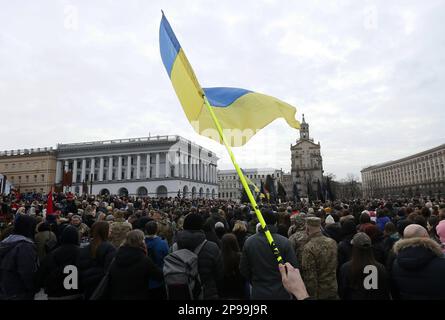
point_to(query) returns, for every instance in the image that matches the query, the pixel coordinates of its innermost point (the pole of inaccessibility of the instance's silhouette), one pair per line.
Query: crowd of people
(178, 248)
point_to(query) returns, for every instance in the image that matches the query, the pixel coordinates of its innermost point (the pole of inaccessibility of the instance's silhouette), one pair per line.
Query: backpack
(181, 276)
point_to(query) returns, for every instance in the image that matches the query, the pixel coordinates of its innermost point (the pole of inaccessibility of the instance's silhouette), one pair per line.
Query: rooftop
(391, 162)
(22, 152)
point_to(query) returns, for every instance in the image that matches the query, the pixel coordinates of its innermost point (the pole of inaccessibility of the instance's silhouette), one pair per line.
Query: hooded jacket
(418, 270)
(18, 263)
(51, 275)
(210, 266)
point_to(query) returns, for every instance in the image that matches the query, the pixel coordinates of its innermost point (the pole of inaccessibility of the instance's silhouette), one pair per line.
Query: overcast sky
(368, 75)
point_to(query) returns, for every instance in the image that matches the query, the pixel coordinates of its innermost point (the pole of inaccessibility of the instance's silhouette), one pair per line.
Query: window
(27, 179)
(35, 178)
(43, 177)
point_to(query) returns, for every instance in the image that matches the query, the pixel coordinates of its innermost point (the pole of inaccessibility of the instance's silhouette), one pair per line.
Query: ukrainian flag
(241, 113)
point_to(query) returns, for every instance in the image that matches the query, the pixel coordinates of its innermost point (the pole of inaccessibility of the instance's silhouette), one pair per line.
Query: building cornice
(411, 157)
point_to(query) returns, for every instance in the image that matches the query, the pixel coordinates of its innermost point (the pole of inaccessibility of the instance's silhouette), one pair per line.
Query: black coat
(130, 274)
(418, 270)
(18, 263)
(50, 275)
(210, 265)
(349, 292)
(344, 250)
(93, 269)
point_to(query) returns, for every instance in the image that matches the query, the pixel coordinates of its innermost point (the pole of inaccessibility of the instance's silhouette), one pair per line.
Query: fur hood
(426, 243)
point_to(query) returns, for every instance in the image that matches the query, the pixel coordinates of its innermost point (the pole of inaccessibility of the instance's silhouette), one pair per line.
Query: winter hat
(348, 227)
(25, 226)
(440, 229)
(329, 220)
(193, 221)
(219, 224)
(361, 240)
(70, 235)
(110, 217)
(269, 216)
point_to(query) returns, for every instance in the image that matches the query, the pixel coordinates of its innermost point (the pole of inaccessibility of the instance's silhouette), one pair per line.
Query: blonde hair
(239, 226)
(135, 238)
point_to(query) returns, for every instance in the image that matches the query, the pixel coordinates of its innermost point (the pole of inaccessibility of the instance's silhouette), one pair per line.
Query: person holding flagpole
(212, 110)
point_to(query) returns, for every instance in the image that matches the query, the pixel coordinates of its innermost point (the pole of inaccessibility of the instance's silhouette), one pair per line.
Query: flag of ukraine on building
(240, 112)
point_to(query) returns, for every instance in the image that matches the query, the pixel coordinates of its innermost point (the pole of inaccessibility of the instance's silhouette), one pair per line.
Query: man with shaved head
(415, 231)
(418, 268)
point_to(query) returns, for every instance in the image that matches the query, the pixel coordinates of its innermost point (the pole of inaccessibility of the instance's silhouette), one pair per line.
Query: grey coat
(259, 266)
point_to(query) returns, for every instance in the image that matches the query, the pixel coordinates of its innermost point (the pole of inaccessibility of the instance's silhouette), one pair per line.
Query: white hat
(329, 220)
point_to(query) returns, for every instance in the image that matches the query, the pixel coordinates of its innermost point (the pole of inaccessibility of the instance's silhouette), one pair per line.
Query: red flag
(49, 203)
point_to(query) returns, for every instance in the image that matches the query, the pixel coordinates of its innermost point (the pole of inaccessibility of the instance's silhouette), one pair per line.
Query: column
(193, 168)
(129, 167)
(167, 164)
(101, 169)
(178, 164)
(187, 167)
(119, 168)
(59, 173)
(206, 173)
(110, 168)
(84, 168)
(157, 166)
(74, 170)
(66, 166)
(92, 169)
(183, 166)
(147, 173)
(138, 166)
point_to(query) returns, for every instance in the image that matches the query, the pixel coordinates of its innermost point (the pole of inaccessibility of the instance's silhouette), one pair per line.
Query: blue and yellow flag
(241, 113)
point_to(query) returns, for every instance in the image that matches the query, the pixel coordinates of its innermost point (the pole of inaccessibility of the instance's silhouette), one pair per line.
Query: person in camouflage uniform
(298, 236)
(165, 228)
(119, 229)
(319, 262)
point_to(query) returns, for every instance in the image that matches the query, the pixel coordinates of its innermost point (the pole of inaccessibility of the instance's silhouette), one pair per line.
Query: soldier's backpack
(181, 277)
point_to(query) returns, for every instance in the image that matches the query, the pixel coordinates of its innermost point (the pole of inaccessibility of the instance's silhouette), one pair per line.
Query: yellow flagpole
(272, 244)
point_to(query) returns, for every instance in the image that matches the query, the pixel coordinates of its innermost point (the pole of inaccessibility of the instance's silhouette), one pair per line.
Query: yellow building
(31, 170)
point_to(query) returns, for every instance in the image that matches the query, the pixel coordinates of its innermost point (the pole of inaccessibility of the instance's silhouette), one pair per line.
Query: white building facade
(158, 166)
(229, 184)
(421, 174)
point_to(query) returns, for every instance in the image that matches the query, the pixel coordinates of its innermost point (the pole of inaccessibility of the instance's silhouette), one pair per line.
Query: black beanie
(25, 226)
(193, 221)
(269, 216)
(70, 235)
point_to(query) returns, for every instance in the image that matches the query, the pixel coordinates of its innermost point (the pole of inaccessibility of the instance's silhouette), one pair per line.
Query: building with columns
(421, 174)
(153, 166)
(230, 185)
(307, 163)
